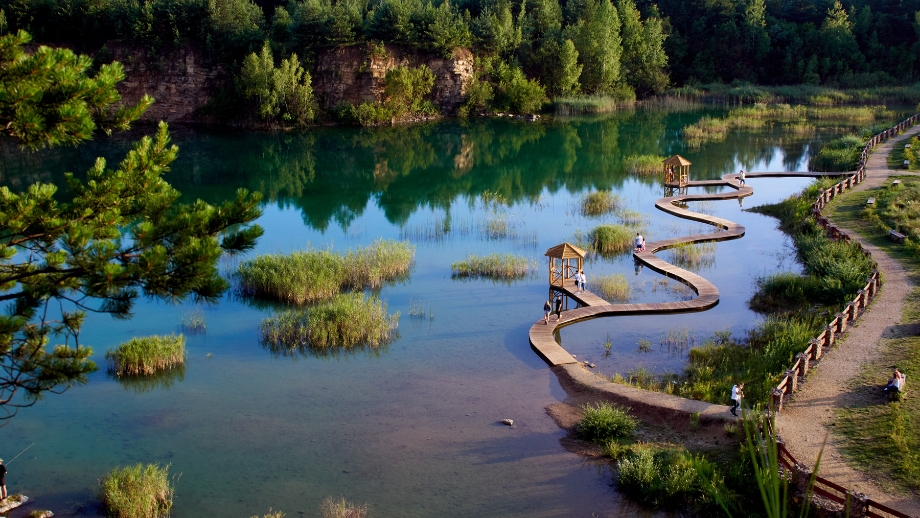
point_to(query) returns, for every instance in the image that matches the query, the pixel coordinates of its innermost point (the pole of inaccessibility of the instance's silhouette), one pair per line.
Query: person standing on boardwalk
(737, 394)
(3, 494)
(640, 243)
(741, 177)
(546, 309)
(558, 307)
(583, 279)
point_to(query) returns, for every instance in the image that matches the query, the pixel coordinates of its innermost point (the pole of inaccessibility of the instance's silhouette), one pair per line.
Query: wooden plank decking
(542, 336)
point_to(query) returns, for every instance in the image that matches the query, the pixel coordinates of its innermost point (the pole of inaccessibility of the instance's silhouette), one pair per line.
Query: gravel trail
(806, 420)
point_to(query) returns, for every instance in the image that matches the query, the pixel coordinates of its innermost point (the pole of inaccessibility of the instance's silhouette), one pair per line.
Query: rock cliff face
(355, 74)
(181, 82)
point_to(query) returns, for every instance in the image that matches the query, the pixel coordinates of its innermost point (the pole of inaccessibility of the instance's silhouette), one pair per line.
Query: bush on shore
(139, 491)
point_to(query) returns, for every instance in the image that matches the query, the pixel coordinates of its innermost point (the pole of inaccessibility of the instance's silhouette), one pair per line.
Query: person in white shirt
(640, 242)
(737, 394)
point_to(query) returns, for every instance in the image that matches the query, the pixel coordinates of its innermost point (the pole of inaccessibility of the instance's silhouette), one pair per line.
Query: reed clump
(494, 266)
(312, 275)
(841, 154)
(598, 203)
(146, 356)
(609, 240)
(194, 322)
(674, 478)
(614, 288)
(347, 321)
(583, 104)
(139, 491)
(645, 164)
(693, 256)
(604, 422)
(341, 508)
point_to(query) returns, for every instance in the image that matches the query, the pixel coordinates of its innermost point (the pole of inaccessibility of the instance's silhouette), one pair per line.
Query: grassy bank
(312, 275)
(346, 321)
(883, 439)
(146, 356)
(813, 95)
(139, 491)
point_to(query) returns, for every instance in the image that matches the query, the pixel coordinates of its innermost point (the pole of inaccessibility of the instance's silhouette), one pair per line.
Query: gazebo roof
(677, 160)
(565, 251)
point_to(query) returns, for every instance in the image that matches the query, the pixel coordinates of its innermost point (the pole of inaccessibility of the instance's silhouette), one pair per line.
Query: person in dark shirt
(2, 480)
(558, 307)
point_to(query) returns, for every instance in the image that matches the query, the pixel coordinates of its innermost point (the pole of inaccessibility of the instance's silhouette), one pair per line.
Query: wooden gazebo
(564, 269)
(676, 171)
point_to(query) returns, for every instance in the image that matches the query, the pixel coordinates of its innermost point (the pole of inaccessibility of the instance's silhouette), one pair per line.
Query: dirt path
(804, 423)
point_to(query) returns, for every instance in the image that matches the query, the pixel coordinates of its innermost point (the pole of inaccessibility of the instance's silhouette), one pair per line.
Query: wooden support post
(841, 323)
(864, 298)
(776, 400)
(851, 312)
(793, 382)
(816, 349)
(828, 336)
(803, 364)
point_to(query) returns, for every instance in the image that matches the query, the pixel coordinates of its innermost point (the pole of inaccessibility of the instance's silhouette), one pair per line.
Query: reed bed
(590, 104)
(808, 94)
(799, 128)
(693, 256)
(609, 240)
(193, 322)
(347, 321)
(146, 356)
(632, 218)
(645, 165)
(420, 310)
(841, 154)
(614, 288)
(139, 491)
(493, 266)
(707, 129)
(857, 114)
(312, 275)
(341, 508)
(599, 203)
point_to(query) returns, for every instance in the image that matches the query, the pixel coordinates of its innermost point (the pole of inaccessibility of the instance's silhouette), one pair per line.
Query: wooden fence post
(793, 382)
(817, 347)
(776, 400)
(803, 364)
(829, 336)
(850, 311)
(841, 323)
(859, 504)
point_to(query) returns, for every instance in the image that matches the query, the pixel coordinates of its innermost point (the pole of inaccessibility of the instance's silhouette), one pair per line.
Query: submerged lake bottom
(413, 429)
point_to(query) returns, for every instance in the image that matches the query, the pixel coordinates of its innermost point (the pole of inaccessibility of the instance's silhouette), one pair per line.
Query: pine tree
(121, 234)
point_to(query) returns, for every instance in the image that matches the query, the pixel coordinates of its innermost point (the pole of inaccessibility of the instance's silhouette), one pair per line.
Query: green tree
(840, 53)
(569, 70)
(643, 59)
(283, 93)
(47, 98)
(496, 30)
(122, 233)
(448, 29)
(596, 36)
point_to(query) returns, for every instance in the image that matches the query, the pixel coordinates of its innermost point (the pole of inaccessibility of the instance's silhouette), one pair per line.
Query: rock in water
(508, 422)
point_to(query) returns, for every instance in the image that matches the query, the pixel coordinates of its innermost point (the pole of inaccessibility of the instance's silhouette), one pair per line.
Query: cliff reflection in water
(331, 174)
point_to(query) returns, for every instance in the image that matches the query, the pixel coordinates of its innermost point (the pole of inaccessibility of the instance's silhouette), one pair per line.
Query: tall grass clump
(693, 256)
(493, 266)
(608, 240)
(348, 321)
(614, 288)
(583, 104)
(139, 491)
(311, 275)
(146, 356)
(605, 422)
(841, 154)
(673, 479)
(707, 129)
(341, 508)
(599, 203)
(644, 164)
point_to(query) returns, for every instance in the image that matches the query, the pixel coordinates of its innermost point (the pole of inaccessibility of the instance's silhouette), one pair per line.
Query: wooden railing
(858, 504)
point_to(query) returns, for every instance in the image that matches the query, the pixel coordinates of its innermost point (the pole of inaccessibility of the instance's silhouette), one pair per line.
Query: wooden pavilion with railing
(676, 171)
(565, 261)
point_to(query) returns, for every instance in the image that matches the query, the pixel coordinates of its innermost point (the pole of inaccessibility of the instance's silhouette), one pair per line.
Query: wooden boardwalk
(542, 336)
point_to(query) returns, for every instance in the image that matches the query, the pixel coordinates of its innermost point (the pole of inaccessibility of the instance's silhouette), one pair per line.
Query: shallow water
(412, 430)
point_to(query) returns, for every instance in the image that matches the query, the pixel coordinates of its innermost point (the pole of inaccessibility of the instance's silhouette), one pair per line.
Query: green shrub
(348, 321)
(610, 240)
(495, 266)
(673, 479)
(605, 422)
(341, 508)
(145, 356)
(312, 275)
(515, 93)
(139, 491)
(840, 154)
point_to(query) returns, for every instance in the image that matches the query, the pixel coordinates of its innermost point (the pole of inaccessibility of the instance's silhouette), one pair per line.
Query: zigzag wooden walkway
(542, 337)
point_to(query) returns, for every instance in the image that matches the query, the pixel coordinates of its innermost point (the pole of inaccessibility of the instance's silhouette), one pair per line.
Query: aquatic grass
(693, 256)
(614, 288)
(632, 218)
(598, 203)
(645, 164)
(193, 322)
(841, 154)
(604, 422)
(609, 240)
(311, 275)
(346, 321)
(676, 289)
(673, 478)
(146, 356)
(583, 104)
(341, 508)
(139, 491)
(419, 311)
(493, 266)
(707, 129)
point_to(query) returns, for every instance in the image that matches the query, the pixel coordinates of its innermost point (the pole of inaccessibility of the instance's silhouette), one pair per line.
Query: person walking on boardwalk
(741, 177)
(583, 279)
(3, 494)
(640, 243)
(546, 309)
(737, 394)
(558, 307)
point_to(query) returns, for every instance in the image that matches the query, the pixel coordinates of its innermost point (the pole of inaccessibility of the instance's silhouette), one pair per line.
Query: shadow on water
(162, 380)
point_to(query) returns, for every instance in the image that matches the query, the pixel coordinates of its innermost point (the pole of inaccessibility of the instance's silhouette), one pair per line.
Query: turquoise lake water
(413, 430)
